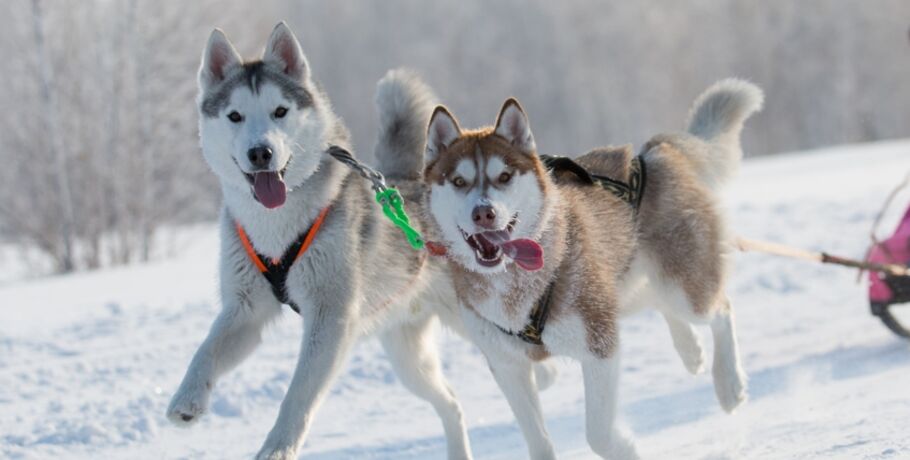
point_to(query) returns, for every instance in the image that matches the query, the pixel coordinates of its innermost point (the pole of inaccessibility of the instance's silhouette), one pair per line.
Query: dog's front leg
(330, 330)
(514, 373)
(233, 336)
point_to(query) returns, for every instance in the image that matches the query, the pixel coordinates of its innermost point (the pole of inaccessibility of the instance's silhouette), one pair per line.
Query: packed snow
(88, 362)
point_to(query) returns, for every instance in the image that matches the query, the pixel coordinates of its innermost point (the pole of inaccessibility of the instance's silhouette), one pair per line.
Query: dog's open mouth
(268, 186)
(486, 245)
(490, 246)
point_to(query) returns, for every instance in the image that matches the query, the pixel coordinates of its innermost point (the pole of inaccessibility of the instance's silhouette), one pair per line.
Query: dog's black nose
(260, 156)
(484, 216)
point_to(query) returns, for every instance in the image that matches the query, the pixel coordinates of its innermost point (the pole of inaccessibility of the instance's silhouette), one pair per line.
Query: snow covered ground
(88, 362)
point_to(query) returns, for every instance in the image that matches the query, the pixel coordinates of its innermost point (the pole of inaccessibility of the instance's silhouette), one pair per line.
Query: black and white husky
(265, 127)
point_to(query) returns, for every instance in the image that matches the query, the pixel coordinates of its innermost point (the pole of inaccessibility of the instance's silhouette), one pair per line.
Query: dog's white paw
(188, 405)
(616, 446)
(623, 448)
(694, 361)
(688, 346)
(730, 387)
(545, 374)
(269, 452)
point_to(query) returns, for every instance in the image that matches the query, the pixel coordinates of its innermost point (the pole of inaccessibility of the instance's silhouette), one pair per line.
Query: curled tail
(717, 117)
(404, 103)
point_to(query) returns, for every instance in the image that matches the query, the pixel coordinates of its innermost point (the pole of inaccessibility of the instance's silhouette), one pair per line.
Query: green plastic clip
(393, 208)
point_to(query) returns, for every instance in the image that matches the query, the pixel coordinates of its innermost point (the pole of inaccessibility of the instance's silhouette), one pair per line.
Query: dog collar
(276, 270)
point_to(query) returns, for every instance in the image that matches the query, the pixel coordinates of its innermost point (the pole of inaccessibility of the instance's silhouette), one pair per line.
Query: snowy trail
(88, 362)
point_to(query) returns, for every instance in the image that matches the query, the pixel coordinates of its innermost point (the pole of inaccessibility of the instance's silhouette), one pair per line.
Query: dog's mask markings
(465, 175)
(262, 144)
(259, 118)
(478, 203)
(504, 185)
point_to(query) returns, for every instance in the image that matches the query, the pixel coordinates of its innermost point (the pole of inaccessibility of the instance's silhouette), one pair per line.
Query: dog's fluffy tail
(717, 117)
(404, 103)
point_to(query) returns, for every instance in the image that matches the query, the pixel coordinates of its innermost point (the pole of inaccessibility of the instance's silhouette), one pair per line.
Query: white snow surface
(88, 362)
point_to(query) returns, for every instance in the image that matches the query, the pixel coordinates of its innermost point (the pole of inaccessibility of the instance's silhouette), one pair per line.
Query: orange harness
(275, 270)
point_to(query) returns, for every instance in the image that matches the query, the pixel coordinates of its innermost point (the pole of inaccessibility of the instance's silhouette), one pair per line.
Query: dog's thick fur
(604, 257)
(359, 276)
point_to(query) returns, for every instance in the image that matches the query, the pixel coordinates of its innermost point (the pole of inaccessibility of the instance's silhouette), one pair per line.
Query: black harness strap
(533, 331)
(276, 271)
(630, 193)
(277, 274)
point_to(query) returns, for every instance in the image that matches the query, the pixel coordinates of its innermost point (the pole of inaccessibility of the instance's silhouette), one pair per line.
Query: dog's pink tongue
(269, 189)
(526, 253)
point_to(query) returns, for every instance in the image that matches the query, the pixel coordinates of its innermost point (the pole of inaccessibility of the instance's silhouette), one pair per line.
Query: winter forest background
(98, 134)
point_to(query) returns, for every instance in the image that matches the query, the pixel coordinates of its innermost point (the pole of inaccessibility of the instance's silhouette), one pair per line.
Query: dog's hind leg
(234, 335)
(729, 377)
(413, 353)
(601, 377)
(687, 343)
(671, 301)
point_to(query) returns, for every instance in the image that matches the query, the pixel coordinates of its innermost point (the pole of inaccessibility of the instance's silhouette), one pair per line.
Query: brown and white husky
(545, 263)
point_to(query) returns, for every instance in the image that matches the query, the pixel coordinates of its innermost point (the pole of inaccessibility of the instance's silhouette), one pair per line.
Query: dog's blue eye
(235, 117)
(280, 112)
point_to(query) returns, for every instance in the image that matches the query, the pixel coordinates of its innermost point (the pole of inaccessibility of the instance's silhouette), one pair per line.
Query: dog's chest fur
(357, 251)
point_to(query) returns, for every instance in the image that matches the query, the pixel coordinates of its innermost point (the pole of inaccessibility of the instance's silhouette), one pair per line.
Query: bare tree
(101, 144)
(98, 128)
(58, 147)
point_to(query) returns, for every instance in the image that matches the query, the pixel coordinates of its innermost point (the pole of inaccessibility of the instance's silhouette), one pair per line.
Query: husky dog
(491, 200)
(264, 128)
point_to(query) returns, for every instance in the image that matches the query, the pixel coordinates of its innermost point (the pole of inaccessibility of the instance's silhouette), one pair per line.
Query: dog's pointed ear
(442, 131)
(513, 125)
(219, 56)
(284, 49)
